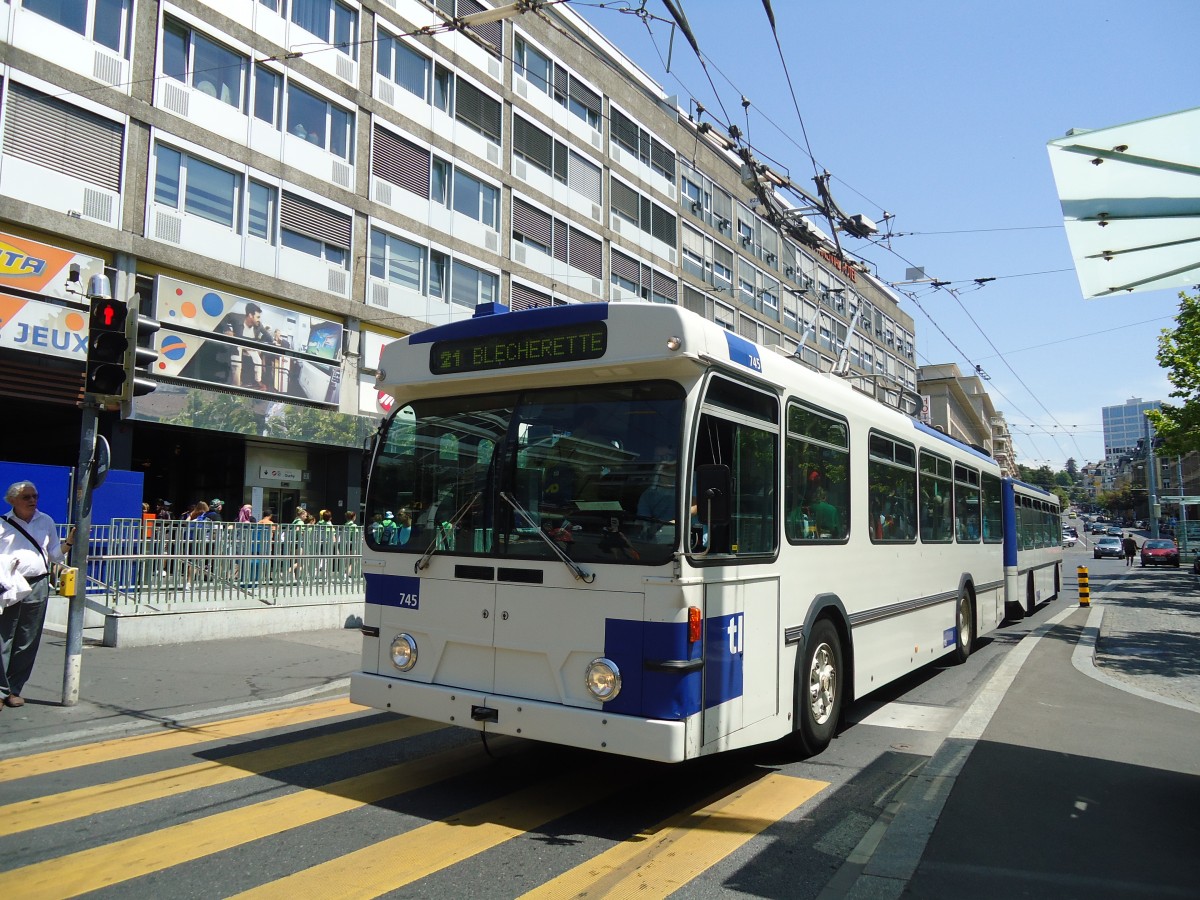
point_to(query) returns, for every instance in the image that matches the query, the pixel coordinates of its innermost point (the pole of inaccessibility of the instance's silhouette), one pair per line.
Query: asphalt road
(210, 769)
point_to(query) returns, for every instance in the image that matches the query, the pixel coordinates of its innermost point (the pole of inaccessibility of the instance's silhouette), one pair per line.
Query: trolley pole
(1085, 592)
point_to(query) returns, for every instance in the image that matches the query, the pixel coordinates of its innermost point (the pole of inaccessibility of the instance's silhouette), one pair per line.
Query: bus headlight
(603, 679)
(404, 652)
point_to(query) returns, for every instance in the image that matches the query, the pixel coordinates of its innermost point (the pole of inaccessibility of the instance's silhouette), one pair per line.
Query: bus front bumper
(587, 729)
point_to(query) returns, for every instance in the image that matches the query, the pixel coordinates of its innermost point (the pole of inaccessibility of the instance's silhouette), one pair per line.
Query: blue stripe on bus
(1008, 501)
(403, 591)
(652, 693)
(504, 323)
(723, 645)
(942, 436)
(743, 352)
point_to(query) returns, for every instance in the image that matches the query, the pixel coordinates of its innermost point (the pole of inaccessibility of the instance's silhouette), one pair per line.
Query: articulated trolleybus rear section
(624, 528)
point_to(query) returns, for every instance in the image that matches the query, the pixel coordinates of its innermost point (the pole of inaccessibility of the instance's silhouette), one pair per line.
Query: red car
(1160, 553)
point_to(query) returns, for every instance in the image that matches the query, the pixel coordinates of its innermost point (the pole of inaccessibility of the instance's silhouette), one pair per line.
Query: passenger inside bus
(656, 507)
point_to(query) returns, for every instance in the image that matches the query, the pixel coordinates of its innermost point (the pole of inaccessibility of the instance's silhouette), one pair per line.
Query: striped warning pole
(1085, 593)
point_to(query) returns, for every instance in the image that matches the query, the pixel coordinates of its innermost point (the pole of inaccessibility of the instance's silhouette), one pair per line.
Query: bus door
(741, 655)
(735, 498)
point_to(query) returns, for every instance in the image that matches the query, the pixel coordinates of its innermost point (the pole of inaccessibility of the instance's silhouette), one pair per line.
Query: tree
(1179, 353)
(1073, 469)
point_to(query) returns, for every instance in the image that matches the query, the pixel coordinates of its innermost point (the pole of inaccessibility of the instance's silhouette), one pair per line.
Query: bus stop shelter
(1130, 198)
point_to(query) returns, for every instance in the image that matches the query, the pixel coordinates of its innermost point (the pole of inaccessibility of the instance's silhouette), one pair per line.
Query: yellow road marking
(57, 808)
(90, 870)
(180, 736)
(679, 849)
(401, 860)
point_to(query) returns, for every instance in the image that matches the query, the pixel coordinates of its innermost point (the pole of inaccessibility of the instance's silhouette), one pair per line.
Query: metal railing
(145, 565)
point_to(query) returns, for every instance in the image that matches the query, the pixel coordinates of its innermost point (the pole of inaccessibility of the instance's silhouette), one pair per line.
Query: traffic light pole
(81, 515)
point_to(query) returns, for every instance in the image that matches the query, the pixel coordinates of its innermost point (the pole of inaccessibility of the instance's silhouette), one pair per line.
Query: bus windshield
(594, 470)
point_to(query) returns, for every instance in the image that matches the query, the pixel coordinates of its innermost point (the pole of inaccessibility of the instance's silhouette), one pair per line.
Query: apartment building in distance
(288, 185)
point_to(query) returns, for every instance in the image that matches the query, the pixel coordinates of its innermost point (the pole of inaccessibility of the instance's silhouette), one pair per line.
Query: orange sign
(41, 269)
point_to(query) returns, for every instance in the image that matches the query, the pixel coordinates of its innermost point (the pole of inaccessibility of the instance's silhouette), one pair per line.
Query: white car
(1068, 539)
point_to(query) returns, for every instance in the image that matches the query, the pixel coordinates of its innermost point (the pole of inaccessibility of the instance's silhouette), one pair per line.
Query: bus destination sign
(569, 343)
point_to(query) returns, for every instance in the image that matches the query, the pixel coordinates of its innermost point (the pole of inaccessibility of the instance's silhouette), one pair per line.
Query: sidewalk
(124, 690)
(1082, 781)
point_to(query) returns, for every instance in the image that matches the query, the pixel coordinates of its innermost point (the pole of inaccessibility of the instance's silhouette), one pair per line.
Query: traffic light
(107, 346)
(141, 357)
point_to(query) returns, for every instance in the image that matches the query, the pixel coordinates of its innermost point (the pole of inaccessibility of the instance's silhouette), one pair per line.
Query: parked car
(1107, 546)
(1160, 553)
(1068, 539)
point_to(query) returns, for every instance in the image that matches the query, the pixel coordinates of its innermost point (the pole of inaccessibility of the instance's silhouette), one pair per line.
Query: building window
(268, 95)
(478, 110)
(260, 221)
(397, 261)
(320, 122)
(107, 22)
(641, 280)
(203, 64)
(63, 138)
(641, 211)
(333, 22)
(398, 63)
(553, 80)
(532, 65)
(476, 199)
(472, 286)
(651, 151)
(314, 229)
(199, 188)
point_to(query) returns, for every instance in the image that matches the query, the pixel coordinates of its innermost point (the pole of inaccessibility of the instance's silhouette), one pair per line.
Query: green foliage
(1179, 353)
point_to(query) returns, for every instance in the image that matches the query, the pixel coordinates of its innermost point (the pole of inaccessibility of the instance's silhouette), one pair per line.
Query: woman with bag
(31, 537)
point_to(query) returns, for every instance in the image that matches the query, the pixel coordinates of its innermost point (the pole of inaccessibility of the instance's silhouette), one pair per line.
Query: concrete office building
(287, 185)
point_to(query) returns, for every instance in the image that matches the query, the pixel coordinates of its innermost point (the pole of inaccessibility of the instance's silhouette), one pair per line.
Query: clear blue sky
(939, 111)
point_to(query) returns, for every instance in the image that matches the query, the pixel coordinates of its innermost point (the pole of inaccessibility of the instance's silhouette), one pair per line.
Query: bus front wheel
(821, 687)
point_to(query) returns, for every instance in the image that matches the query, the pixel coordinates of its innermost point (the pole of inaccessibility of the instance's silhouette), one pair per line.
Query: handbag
(16, 588)
(41, 553)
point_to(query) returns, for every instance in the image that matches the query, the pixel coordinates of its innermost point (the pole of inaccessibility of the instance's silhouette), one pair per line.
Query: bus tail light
(695, 624)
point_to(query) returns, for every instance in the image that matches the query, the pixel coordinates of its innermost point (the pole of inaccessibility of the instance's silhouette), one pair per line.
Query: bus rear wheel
(964, 636)
(821, 687)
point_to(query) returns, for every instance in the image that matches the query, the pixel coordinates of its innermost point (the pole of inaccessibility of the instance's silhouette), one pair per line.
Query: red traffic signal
(107, 344)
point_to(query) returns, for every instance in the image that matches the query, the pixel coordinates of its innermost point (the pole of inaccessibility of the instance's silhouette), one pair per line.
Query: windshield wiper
(439, 533)
(579, 574)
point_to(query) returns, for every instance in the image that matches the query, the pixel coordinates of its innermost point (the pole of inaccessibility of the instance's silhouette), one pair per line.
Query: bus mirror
(712, 494)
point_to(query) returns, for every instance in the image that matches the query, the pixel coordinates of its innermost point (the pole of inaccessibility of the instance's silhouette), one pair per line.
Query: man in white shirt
(31, 537)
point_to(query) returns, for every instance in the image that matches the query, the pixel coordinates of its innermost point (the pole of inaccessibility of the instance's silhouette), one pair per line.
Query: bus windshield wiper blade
(453, 523)
(579, 574)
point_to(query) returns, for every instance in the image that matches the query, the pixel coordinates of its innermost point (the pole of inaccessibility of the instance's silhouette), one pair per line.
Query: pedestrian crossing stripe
(109, 864)
(674, 852)
(651, 864)
(177, 736)
(408, 857)
(76, 804)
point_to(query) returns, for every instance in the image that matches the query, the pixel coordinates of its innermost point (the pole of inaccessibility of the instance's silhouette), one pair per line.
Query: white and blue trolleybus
(622, 527)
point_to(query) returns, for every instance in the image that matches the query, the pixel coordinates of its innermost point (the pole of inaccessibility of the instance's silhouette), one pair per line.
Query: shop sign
(275, 473)
(42, 269)
(39, 327)
(218, 338)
